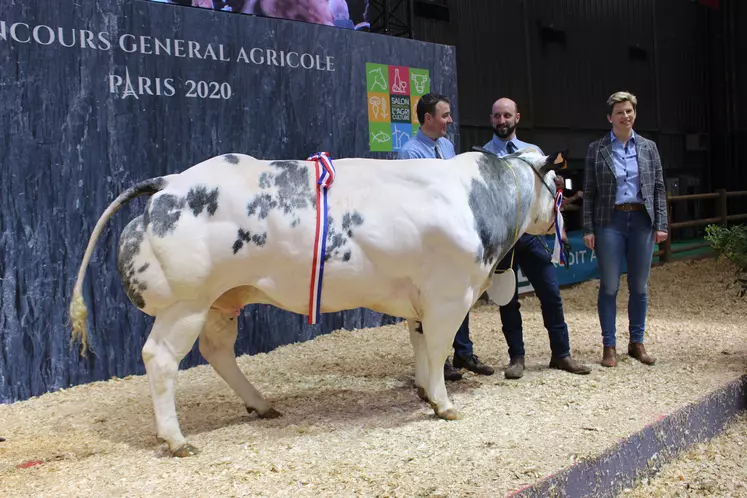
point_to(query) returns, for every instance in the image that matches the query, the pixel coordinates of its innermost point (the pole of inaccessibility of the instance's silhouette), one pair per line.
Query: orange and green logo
(392, 94)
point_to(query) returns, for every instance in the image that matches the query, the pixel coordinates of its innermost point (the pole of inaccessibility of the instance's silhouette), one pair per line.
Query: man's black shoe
(473, 364)
(451, 373)
(515, 368)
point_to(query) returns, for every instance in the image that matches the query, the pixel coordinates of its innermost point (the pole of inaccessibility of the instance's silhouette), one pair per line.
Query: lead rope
(518, 217)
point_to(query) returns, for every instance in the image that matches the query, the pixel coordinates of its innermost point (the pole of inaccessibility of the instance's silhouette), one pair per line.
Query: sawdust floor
(353, 425)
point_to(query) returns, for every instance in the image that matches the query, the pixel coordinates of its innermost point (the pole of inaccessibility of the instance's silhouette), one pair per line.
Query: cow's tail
(78, 310)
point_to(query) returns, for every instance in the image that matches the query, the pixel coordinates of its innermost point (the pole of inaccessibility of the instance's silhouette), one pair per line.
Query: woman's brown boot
(609, 357)
(637, 351)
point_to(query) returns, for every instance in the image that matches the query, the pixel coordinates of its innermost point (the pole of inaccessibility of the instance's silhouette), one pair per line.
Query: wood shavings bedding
(354, 426)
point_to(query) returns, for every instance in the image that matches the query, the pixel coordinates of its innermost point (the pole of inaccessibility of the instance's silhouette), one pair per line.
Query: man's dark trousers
(534, 259)
(462, 343)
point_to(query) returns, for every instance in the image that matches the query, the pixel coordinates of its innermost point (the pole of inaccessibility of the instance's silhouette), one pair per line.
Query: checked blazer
(600, 184)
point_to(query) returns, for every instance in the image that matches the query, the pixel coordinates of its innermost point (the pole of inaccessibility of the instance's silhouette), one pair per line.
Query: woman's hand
(660, 236)
(589, 241)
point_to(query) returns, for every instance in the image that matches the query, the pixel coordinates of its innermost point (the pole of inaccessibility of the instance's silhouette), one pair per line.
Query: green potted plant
(732, 244)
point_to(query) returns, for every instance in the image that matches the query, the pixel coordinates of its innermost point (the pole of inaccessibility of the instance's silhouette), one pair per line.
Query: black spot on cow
(238, 245)
(292, 191)
(261, 206)
(493, 202)
(162, 214)
(293, 187)
(245, 236)
(265, 180)
(350, 220)
(259, 240)
(143, 268)
(129, 247)
(335, 240)
(338, 239)
(200, 199)
(230, 158)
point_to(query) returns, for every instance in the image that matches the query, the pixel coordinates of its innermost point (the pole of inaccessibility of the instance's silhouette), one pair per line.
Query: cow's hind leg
(174, 333)
(439, 329)
(217, 346)
(421, 357)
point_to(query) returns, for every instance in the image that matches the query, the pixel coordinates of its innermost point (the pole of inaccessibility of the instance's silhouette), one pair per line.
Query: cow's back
(234, 220)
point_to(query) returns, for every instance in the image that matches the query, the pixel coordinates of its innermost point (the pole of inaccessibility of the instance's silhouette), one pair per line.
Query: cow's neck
(500, 202)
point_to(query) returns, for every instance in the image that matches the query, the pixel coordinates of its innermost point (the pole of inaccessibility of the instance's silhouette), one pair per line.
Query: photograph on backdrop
(328, 12)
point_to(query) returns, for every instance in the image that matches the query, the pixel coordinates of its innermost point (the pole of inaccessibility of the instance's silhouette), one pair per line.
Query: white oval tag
(503, 287)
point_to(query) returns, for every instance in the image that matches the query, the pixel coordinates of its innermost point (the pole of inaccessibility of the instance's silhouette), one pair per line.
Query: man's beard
(506, 132)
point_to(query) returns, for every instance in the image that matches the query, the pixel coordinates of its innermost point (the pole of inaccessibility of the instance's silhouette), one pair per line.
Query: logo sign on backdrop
(393, 93)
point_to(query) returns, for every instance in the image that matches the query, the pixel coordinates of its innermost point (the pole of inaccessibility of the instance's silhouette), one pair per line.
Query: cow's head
(542, 214)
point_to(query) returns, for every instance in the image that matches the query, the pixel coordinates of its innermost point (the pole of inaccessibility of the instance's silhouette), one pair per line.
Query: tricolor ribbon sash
(558, 256)
(325, 175)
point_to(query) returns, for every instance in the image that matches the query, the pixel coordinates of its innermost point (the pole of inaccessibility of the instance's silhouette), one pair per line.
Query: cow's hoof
(185, 450)
(450, 414)
(270, 413)
(421, 393)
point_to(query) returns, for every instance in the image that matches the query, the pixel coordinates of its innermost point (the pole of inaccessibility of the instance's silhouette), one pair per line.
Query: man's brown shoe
(515, 368)
(609, 357)
(569, 365)
(637, 351)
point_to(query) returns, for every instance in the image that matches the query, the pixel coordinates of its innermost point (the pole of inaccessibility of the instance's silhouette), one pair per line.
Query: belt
(627, 207)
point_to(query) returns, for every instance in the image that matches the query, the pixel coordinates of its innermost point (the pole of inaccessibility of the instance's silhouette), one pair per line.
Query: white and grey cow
(417, 239)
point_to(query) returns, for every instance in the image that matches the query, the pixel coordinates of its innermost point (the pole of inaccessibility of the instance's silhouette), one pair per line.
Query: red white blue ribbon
(558, 256)
(325, 175)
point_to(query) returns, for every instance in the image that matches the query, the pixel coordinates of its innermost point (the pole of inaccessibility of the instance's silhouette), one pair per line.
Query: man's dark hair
(427, 104)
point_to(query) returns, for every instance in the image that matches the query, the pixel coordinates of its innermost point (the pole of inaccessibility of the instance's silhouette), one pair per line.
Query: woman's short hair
(618, 97)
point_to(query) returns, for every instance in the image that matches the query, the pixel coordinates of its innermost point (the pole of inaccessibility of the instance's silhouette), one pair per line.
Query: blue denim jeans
(630, 238)
(535, 262)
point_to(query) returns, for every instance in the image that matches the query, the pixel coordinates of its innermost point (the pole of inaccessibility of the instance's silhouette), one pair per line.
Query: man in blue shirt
(434, 116)
(535, 261)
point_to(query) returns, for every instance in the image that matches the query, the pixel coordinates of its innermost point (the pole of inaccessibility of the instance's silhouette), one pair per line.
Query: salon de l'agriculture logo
(392, 93)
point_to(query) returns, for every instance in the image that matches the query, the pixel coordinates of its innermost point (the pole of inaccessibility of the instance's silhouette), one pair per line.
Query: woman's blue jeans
(628, 238)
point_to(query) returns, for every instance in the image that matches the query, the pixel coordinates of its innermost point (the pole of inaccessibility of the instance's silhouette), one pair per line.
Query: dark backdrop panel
(80, 123)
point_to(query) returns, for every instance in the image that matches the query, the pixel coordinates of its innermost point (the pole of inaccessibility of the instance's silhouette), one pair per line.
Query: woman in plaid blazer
(625, 214)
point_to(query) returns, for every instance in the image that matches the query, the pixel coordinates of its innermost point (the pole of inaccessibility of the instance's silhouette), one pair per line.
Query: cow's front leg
(174, 332)
(439, 330)
(216, 345)
(421, 357)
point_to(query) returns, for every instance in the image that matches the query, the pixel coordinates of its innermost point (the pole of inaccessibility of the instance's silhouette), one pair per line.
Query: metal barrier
(723, 218)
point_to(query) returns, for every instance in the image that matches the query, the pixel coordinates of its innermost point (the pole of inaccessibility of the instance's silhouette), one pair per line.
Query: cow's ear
(555, 161)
